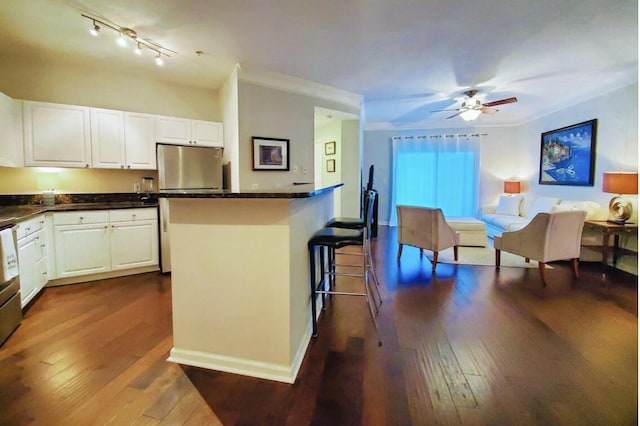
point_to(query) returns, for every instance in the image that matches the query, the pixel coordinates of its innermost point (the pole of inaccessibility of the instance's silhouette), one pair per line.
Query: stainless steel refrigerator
(183, 168)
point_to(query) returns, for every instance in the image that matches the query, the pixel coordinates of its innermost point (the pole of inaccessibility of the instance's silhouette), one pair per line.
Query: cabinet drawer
(81, 217)
(128, 215)
(30, 226)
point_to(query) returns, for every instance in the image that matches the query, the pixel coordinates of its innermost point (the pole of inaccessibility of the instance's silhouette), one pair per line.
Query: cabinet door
(173, 130)
(82, 249)
(11, 151)
(56, 135)
(28, 269)
(140, 142)
(134, 244)
(206, 133)
(107, 138)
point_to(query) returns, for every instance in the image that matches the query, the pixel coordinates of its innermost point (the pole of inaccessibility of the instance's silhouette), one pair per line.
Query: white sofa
(514, 212)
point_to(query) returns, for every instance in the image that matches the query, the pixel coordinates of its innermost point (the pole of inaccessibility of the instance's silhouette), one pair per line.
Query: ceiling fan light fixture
(470, 114)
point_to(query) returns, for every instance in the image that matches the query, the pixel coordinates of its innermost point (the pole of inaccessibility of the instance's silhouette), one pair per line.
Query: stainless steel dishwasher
(10, 306)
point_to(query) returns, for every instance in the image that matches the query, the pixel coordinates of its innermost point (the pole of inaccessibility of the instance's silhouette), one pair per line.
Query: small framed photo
(330, 148)
(270, 154)
(331, 166)
(568, 155)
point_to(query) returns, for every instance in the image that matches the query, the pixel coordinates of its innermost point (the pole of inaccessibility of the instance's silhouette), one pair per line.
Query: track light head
(138, 49)
(95, 30)
(159, 61)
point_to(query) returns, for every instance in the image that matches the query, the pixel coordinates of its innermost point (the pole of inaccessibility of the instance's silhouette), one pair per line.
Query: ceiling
(406, 58)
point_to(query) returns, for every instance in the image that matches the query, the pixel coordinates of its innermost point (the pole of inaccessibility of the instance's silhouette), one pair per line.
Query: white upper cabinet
(173, 130)
(11, 152)
(207, 133)
(140, 140)
(122, 140)
(107, 138)
(182, 131)
(56, 135)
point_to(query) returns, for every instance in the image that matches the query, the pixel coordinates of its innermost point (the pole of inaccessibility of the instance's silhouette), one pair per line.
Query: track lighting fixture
(126, 35)
(95, 30)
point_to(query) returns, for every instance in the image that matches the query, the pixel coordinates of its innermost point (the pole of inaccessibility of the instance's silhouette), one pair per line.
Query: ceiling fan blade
(500, 102)
(455, 115)
(440, 110)
(486, 110)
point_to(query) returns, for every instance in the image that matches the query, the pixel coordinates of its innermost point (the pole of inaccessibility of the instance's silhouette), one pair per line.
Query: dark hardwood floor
(465, 345)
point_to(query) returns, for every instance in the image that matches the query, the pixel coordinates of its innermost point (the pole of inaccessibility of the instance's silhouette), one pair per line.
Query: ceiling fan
(472, 107)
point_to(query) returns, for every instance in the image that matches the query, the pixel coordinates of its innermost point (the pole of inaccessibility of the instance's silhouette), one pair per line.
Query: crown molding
(300, 86)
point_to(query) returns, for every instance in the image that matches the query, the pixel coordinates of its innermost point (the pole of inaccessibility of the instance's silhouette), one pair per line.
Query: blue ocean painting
(566, 156)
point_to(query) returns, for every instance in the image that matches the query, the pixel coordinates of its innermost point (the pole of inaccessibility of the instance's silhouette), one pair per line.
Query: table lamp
(511, 187)
(620, 183)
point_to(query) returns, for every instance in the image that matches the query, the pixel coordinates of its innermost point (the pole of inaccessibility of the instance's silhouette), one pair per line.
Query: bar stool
(358, 223)
(333, 238)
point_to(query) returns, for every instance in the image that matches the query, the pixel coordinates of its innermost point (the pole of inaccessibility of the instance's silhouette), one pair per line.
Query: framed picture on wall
(330, 148)
(331, 166)
(568, 155)
(270, 154)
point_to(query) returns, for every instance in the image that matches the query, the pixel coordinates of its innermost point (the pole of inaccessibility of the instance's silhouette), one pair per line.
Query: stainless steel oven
(10, 305)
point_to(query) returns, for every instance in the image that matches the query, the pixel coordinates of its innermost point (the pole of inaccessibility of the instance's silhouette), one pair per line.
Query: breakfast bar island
(240, 277)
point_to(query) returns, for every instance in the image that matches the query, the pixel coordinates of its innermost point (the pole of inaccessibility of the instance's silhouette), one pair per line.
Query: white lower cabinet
(98, 241)
(82, 249)
(134, 238)
(32, 257)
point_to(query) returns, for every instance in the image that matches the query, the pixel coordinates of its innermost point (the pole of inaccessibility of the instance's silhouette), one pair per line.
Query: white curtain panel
(436, 171)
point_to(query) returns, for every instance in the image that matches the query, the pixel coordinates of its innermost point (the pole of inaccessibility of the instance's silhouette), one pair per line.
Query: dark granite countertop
(297, 191)
(23, 212)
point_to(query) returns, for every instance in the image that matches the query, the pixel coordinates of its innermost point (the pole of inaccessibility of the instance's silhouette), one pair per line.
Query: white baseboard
(245, 367)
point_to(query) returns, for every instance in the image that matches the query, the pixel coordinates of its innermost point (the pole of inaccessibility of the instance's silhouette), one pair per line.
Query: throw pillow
(542, 205)
(562, 208)
(592, 208)
(509, 205)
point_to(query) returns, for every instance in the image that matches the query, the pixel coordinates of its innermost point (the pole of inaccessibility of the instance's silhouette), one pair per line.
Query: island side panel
(237, 264)
(307, 216)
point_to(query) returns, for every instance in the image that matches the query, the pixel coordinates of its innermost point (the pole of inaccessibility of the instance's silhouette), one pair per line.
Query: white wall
(275, 113)
(330, 131)
(83, 84)
(616, 143)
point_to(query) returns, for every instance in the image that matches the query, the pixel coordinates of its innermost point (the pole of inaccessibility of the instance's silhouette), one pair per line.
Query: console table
(608, 229)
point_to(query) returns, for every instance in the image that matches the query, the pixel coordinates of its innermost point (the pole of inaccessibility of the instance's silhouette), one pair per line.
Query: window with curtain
(436, 171)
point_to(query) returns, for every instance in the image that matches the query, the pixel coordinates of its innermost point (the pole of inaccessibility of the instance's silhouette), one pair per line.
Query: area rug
(483, 256)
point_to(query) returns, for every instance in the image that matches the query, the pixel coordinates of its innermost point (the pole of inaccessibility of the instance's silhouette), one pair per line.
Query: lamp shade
(620, 182)
(511, 187)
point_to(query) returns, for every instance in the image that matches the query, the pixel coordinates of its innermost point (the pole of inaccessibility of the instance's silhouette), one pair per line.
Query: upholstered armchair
(548, 237)
(427, 229)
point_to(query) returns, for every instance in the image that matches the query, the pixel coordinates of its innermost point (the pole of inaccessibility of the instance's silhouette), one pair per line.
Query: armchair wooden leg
(574, 263)
(497, 259)
(541, 268)
(399, 251)
(435, 261)
(455, 253)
